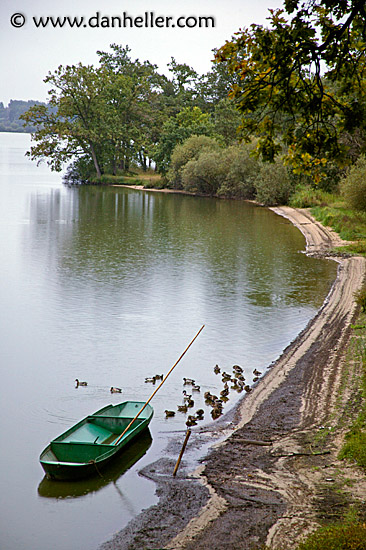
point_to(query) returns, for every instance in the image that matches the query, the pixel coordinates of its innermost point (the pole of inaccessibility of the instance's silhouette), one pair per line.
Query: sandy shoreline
(249, 494)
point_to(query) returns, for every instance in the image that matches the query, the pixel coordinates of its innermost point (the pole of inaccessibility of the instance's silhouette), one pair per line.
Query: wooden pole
(182, 451)
(162, 382)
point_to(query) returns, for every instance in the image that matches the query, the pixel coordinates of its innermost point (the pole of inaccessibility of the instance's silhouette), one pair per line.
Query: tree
(302, 80)
(188, 122)
(105, 114)
(72, 126)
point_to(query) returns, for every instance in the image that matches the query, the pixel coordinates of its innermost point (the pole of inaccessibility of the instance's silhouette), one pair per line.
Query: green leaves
(302, 80)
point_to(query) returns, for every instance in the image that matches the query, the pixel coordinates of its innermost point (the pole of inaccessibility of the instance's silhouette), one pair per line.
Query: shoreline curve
(252, 494)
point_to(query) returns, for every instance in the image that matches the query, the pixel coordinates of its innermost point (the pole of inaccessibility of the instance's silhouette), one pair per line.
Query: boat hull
(91, 444)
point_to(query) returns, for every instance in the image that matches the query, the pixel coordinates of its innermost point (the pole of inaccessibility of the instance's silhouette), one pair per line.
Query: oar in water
(161, 383)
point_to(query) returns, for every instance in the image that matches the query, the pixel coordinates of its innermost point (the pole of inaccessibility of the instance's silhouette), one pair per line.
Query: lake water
(109, 285)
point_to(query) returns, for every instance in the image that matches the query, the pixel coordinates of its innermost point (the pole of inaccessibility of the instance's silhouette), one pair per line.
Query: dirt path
(252, 494)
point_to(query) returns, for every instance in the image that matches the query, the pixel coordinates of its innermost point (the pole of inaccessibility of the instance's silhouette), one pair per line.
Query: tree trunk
(95, 160)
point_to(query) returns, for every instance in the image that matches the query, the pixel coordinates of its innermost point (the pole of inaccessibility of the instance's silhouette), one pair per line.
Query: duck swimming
(237, 369)
(169, 414)
(189, 381)
(78, 383)
(115, 390)
(191, 421)
(186, 396)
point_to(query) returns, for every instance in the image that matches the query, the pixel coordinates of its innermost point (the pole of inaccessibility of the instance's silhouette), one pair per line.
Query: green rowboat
(90, 444)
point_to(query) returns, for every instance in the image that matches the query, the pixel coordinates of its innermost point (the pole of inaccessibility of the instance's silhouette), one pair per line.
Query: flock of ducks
(237, 382)
(236, 379)
(188, 403)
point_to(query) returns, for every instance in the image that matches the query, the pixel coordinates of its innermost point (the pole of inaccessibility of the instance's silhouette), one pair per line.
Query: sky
(29, 52)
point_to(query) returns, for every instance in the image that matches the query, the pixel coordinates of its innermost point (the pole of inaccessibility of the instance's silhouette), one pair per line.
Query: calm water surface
(110, 285)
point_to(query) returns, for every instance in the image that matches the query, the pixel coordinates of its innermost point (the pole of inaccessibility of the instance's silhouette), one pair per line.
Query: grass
(346, 536)
(354, 447)
(331, 210)
(139, 177)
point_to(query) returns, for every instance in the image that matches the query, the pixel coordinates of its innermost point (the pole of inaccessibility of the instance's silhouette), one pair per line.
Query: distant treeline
(9, 116)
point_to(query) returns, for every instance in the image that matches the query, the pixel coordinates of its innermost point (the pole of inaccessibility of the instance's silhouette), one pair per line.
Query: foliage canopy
(302, 80)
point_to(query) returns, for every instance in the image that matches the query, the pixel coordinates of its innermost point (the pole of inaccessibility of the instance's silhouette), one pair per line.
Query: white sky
(29, 53)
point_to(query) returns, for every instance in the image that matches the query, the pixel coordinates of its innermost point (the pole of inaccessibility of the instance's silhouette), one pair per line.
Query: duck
(169, 414)
(196, 387)
(237, 386)
(257, 372)
(188, 381)
(209, 398)
(182, 408)
(226, 377)
(215, 413)
(216, 369)
(238, 369)
(190, 403)
(224, 392)
(186, 396)
(191, 421)
(247, 388)
(240, 377)
(152, 379)
(78, 383)
(115, 390)
(159, 376)
(199, 414)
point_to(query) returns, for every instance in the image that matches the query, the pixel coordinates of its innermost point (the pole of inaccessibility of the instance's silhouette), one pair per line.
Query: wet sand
(246, 494)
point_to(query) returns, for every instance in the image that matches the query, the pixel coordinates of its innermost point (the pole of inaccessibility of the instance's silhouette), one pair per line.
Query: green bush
(273, 185)
(190, 149)
(206, 174)
(353, 186)
(242, 170)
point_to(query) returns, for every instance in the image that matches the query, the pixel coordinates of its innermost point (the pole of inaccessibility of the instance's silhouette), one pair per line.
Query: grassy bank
(148, 179)
(332, 211)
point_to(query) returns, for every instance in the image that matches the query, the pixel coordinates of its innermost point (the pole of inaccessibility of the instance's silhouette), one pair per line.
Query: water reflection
(109, 286)
(110, 474)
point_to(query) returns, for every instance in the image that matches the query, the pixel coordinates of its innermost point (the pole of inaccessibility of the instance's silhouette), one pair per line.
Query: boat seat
(88, 433)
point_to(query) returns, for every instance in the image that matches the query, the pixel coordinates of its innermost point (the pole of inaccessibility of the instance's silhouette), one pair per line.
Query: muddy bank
(246, 494)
